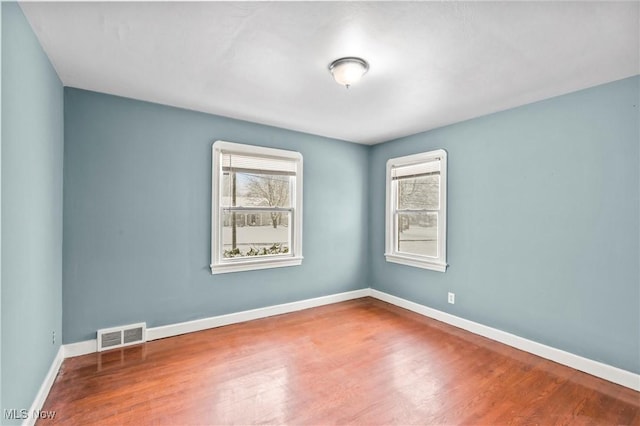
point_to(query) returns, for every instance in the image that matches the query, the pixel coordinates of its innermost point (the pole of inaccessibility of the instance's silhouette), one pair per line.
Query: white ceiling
(432, 63)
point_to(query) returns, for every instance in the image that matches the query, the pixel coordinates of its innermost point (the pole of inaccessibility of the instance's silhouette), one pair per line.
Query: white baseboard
(154, 333)
(80, 348)
(237, 317)
(43, 392)
(595, 368)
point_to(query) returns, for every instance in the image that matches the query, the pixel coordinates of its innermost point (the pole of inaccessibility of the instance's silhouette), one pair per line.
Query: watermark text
(23, 414)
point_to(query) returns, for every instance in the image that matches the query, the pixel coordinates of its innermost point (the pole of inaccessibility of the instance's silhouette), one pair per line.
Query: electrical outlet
(451, 298)
(53, 337)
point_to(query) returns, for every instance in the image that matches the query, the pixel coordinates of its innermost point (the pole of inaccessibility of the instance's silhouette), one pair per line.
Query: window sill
(416, 262)
(238, 266)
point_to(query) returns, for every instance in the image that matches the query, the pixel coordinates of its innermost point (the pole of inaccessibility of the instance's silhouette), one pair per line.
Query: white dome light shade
(347, 71)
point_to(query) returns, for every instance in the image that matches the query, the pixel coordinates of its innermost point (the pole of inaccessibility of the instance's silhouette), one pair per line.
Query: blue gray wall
(543, 220)
(31, 215)
(1, 404)
(137, 216)
(543, 211)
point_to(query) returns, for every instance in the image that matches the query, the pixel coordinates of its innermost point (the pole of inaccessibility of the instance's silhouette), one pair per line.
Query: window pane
(257, 233)
(256, 190)
(419, 192)
(418, 233)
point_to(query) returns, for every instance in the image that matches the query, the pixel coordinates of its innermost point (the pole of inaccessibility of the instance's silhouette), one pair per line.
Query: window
(416, 217)
(256, 208)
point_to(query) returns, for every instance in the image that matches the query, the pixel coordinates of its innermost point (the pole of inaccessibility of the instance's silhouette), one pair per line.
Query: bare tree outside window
(419, 192)
(273, 191)
(260, 230)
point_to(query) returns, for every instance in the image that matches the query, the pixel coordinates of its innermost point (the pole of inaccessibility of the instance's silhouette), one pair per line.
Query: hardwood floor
(358, 362)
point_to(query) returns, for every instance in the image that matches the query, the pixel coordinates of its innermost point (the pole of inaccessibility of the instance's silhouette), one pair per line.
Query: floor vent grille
(117, 337)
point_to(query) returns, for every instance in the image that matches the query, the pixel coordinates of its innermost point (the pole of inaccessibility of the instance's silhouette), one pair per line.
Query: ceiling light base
(348, 70)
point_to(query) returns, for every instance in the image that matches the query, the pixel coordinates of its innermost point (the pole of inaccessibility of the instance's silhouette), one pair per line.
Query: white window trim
(219, 265)
(436, 264)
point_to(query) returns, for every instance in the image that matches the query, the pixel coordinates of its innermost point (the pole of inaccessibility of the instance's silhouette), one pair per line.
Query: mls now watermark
(23, 414)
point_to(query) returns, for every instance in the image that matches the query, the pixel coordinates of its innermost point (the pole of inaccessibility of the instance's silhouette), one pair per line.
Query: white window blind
(242, 163)
(416, 170)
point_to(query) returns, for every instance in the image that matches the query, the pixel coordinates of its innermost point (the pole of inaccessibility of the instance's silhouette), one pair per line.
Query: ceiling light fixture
(347, 71)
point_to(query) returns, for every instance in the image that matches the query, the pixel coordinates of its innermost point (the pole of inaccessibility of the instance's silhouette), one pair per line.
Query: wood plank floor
(358, 362)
